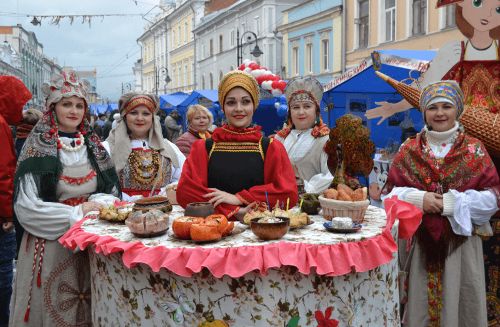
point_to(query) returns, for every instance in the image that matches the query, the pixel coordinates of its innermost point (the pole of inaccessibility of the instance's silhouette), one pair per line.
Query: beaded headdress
(145, 100)
(65, 85)
(304, 89)
(238, 78)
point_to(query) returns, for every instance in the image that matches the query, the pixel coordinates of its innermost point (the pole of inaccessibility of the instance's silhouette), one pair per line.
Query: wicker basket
(353, 209)
(484, 125)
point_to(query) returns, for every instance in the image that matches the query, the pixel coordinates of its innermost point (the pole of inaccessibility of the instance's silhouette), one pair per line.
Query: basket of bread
(345, 202)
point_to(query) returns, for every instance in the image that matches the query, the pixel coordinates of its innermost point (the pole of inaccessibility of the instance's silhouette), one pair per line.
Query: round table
(308, 276)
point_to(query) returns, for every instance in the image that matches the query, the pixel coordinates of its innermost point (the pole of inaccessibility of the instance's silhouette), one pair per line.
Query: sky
(108, 45)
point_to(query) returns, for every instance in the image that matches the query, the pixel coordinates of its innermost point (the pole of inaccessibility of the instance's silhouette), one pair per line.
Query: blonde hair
(196, 108)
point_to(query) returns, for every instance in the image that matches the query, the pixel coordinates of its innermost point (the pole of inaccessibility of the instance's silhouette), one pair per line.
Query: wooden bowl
(270, 231)
(199, 209)
(155, 202)
(149, 224)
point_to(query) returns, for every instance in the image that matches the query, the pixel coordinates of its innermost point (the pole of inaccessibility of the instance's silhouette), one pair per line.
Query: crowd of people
(64, 162)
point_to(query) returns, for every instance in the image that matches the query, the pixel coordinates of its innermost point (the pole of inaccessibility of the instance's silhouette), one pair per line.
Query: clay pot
(270, 231)
(155, 202)
(199, 209)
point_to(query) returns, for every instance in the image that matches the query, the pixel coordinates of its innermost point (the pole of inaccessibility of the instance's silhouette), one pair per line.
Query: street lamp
(164, 72)
(256, 52)
(126, 87)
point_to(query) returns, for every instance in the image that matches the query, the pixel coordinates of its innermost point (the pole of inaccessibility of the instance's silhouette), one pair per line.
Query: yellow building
(181, 49)
(396, 24)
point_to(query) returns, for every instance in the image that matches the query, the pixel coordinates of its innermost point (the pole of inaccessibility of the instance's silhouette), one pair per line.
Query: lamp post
(164, 72)
(126, 87)
(256, 52)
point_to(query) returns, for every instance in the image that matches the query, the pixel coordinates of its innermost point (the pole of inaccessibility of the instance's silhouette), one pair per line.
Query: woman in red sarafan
(451, 177)
(238, 166)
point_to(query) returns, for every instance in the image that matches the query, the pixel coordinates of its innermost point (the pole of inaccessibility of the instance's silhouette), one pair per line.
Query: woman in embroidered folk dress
(61, 164)
(237, 166)
(200, 119)
(305, 135)
(143, 158)
(450, 176)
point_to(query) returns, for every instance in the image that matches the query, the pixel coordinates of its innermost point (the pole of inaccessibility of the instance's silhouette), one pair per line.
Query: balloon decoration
(266, 79)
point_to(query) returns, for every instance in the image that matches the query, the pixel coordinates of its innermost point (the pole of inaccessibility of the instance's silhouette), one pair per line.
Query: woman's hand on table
(433, 203)
(217, 197)
(90, 206)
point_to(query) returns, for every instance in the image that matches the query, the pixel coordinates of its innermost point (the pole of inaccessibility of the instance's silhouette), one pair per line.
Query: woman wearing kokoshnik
(450, 176)
(305, 134)
(144, 160)
(62, 163)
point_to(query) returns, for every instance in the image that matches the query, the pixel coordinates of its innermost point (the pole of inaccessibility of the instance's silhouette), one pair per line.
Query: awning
(174, 99)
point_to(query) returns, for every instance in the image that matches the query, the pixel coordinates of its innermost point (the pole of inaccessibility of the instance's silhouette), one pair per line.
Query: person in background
(305, 134)
(451, 178)
(144, 160)
(237, 166)
(174, 129)
(62, 163)
(199, 121)
(23, 129)
(13, 96)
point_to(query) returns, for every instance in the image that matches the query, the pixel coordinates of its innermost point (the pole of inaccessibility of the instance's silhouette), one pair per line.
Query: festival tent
(97, 109)
(169, 101)
(359, 88)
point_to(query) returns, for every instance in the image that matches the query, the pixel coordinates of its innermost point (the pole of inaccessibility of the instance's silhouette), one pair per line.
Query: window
(211, 48)
(325, 55)
(186, 32)
(363, 20)
(187, 74)
(203, 82)
(270, 20)
(419, 11)
(221, 43)
(179, 38)
(257, 25)
(450, 17)
(212, 82)
(309, 58)
(176, 80)
(233, 37)
(295, 61)
(390, 20)
(270, 57)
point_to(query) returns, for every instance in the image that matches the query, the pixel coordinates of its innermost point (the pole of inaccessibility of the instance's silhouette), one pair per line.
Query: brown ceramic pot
(199, 209)
(270, 231)
(155, 202)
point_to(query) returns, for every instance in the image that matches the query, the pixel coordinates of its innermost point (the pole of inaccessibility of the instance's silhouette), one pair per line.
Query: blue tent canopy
(172, 100)
(357, 91)
(97, 109)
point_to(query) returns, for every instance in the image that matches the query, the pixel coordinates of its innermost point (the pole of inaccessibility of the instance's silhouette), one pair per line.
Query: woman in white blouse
(451, 177)
(62, 163)
(145, 162)
(305, 134)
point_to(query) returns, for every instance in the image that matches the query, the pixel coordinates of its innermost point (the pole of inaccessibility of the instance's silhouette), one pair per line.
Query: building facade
(312, 40)
(153, 44)
(216, 38)
(10, 62)
(35, 68)
(396, 24)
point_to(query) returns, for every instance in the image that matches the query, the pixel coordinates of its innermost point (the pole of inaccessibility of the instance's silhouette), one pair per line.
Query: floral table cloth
(311, 277)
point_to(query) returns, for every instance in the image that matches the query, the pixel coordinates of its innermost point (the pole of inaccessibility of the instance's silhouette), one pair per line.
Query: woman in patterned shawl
(450, 176)
(62, 163)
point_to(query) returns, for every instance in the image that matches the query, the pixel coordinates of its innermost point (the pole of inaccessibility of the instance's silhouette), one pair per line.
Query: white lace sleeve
(48, 220)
